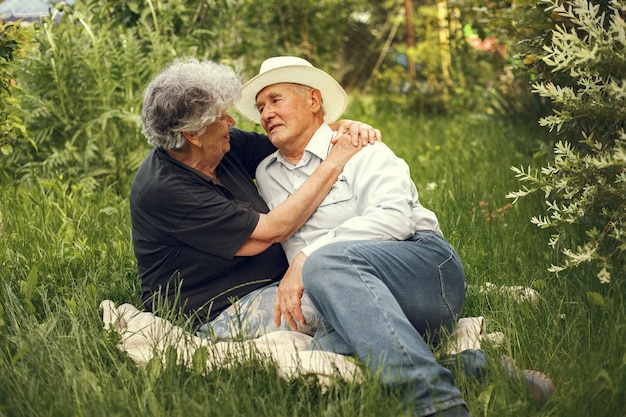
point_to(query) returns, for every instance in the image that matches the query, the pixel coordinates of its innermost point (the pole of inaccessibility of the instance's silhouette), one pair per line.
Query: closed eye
(272, 99)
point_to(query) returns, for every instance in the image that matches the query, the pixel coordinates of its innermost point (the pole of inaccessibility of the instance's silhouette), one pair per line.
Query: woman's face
(215, 138)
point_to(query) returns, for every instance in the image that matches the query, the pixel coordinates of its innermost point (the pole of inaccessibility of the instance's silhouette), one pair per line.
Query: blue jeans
(378, 299)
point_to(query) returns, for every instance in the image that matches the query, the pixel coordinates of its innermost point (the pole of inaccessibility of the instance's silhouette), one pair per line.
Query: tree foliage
(88, 64)
(12, 128)
(466, 59)
(585, 185)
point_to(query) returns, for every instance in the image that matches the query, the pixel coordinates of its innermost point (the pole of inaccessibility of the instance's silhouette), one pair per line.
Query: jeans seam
(442, 284)
(440, 270)
(398, 344)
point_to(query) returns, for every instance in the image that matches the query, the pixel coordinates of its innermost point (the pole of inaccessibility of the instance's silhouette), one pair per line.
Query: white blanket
(145, 336)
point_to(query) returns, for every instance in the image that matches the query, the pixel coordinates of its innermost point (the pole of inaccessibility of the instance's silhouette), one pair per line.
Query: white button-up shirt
(374, 197)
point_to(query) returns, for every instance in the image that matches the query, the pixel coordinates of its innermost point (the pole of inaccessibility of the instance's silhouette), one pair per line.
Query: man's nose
(267, 114)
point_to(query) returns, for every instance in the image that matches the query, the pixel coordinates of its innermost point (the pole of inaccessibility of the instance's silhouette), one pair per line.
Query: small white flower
(555, 268)
(431, 186)
(604, 276)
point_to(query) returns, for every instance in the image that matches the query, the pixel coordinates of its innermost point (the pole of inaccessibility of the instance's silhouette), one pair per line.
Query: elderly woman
(202, 235)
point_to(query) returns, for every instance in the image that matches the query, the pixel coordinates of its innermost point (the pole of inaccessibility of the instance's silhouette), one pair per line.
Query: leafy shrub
(585, 185)
(82, 82)
(12, 128)
(83, 77)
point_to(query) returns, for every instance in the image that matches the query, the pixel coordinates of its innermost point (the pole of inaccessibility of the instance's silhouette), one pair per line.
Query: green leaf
(27, 288)
(6, 149)
(485, 397)
(18, 355)
(595, 298)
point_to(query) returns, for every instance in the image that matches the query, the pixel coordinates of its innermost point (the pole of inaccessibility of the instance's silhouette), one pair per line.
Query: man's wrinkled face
(287, 112)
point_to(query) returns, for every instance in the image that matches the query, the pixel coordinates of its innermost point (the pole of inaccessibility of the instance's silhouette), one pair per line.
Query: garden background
(510, 115)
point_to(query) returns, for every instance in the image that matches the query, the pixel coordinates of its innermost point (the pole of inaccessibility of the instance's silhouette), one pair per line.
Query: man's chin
(274, 138)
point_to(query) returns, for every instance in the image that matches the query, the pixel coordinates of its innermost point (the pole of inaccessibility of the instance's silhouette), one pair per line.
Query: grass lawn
(64, 248)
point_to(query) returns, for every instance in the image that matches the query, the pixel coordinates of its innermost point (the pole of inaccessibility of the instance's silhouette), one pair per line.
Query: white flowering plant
(585, 185)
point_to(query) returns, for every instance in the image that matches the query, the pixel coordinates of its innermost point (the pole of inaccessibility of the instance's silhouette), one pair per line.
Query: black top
(186, 229)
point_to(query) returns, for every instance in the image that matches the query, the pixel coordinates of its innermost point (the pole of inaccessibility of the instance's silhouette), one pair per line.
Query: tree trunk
(410, 35)
(444, 42)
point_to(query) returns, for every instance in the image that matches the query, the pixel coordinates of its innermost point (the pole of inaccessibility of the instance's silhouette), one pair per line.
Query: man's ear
(316, 100)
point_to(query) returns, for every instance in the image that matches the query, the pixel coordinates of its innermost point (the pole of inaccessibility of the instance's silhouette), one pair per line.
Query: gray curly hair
(188, 95)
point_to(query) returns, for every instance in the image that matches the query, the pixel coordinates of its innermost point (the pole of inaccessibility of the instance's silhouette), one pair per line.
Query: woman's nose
(228, 118)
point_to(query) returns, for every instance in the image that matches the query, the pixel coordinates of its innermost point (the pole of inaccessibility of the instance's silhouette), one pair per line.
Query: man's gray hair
(188, 95)
(303, 90)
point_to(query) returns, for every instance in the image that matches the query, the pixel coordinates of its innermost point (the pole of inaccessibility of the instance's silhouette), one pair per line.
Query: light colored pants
(252, 316)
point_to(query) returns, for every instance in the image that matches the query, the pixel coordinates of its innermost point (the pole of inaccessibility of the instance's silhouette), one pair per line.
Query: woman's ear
(193, 138)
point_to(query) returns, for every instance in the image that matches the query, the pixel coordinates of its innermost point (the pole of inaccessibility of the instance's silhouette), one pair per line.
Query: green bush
(87, 66)
(585, 185)
(83, 82)
(13, 131)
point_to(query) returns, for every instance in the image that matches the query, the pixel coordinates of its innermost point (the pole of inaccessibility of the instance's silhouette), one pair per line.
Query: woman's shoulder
(249, 147)
(237, 135)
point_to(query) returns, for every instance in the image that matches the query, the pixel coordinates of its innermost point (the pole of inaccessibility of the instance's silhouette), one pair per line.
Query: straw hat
(291, 69)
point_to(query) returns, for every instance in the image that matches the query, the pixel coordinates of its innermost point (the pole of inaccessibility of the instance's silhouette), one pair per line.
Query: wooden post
(410, 35)
(444, 46)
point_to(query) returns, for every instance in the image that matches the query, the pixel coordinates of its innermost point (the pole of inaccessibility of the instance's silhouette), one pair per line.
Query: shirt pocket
(339, 194)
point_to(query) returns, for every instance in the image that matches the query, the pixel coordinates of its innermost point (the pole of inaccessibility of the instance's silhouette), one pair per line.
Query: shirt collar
(319, 145)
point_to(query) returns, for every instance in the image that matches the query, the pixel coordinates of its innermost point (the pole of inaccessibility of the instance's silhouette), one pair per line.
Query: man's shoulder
(375, 150)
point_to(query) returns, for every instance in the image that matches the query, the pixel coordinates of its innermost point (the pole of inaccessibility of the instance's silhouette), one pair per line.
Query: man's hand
(288, 300)
(361, 134)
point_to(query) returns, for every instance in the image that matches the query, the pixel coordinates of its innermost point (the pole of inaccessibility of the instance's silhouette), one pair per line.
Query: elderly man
(371, 258)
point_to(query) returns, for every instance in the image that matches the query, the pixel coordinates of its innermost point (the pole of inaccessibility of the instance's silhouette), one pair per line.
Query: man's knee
(315, 270)
(309, 268)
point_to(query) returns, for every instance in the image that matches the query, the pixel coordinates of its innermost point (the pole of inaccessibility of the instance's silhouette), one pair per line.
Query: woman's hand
(342, 150)
(288, 300)
(361, 134)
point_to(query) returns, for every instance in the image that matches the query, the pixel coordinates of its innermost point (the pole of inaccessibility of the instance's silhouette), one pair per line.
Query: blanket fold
(145, 336)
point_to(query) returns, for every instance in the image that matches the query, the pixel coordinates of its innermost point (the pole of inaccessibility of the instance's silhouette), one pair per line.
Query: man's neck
(293, 152)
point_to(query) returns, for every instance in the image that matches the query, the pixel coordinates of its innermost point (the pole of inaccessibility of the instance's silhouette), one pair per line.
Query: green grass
(63, 249)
